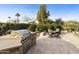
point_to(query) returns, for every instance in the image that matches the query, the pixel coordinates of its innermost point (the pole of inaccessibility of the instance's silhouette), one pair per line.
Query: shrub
(32, 27)
(10, 26)
(42, 28)
(52, 26)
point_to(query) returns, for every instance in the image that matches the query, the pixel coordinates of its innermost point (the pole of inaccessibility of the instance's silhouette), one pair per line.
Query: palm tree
(17, 15)
(9, 17)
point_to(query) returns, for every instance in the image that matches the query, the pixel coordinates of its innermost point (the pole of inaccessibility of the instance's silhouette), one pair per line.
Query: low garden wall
(27, 43)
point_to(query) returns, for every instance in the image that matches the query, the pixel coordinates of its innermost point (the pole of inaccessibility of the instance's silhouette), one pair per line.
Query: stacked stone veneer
(27, 43)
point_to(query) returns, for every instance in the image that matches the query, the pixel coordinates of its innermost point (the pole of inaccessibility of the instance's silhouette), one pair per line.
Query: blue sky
(64, 11)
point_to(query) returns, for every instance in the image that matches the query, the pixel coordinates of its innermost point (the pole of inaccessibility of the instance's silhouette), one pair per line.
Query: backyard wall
(27, 43)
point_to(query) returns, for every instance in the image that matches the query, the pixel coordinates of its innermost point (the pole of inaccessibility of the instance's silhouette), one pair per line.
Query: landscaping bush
(42, 28)
(52, 26)
(32, 27)
(10, 26)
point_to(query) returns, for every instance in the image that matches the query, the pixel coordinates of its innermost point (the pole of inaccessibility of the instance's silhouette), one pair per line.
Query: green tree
(42, 14)
(59, 23)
